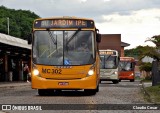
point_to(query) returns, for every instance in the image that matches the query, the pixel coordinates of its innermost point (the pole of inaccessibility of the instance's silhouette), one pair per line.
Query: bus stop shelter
(14, 52)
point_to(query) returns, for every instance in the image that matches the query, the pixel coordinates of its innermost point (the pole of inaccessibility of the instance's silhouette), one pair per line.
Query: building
(113, 41)
(14, 52)
(123, 45)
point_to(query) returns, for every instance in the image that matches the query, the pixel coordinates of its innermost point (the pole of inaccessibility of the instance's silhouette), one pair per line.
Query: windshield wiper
(123, 68)
(53, 39)
(108, 57)
(106, 60)
(74, 34)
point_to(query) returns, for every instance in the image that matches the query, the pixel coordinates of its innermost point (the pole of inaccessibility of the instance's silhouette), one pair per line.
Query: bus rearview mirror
(29, 38)
(98, 38)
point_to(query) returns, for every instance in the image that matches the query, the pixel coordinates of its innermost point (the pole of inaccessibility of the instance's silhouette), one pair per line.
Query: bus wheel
(58, 91)
(115, 81)
(45, 92)
(132, 80)
(97, 89)
(42, 92)
(119, 80)
(90, 91)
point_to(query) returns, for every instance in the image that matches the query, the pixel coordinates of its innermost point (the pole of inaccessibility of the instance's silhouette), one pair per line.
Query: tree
(154, 52)
(147, 67)
(136, 52)
(150, 52)
(143, 51)
(20, 21)
(156, 40)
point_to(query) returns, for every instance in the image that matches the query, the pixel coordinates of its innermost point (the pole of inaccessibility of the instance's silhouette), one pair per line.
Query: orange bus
(127, 65)
(65, 55)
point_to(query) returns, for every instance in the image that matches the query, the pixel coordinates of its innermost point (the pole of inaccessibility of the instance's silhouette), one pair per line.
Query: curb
(12, 85)
(147, 94)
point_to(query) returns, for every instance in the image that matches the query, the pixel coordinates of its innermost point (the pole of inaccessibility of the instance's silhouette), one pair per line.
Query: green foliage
(156, 40)
(135, 52)
(146, 67)
(141, 51)
(150, 52)
(154, 52)
(20, 22)
(148, 78)
(154, 92)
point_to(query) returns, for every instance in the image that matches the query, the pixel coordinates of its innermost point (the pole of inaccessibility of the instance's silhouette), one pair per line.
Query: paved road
(123, 93)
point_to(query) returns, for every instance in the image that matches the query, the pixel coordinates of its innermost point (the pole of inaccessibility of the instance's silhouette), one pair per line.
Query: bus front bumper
(126, 77)
(83, 83)
(109, 78)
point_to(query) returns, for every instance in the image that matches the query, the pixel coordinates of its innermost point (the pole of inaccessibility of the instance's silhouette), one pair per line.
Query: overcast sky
(135, 20)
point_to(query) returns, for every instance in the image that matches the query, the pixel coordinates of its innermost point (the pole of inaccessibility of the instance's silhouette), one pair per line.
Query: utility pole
(8, 24)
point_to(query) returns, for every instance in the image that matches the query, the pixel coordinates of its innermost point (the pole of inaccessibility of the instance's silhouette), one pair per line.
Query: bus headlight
(35, 72)
(90, 72)
(115, 72)
(131, 74)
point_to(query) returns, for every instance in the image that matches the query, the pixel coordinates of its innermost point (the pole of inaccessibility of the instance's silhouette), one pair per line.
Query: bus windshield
(63, 47)
(125, 66)
(108, 62)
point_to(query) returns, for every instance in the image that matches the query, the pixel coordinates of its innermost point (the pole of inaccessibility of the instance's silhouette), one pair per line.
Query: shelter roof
(10, 40)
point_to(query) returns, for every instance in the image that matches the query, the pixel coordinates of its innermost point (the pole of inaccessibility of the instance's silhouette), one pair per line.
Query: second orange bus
(127, 65)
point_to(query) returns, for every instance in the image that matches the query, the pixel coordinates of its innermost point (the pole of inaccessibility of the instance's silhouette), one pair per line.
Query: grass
(146, 80)
(154, 92)
(138, 78)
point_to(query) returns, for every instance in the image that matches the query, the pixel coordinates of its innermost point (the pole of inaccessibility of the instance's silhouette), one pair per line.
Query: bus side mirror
(98, 38)
(29, 38)
(118, 59)
(134, 64)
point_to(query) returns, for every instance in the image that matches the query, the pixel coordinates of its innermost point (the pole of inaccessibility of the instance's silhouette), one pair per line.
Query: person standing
(26, 72)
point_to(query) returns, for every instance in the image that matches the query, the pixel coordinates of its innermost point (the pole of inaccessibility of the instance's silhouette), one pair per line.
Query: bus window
(54, 54)
(110, 62)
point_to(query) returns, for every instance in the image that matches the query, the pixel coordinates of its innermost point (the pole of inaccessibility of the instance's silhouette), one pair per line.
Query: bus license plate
(63, 83)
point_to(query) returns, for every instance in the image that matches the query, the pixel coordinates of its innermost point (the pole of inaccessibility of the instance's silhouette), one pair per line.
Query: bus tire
(45, 92)
(119, 80)
(42, 92)
(90, 91)
(115, 81)
(97, 89)
(132, 80)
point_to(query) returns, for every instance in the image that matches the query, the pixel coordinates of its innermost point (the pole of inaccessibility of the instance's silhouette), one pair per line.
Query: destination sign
(64, 23)
(126, 59)
(107, 53)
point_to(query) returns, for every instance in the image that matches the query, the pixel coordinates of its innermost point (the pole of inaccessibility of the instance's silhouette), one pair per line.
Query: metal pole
(8, 24)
